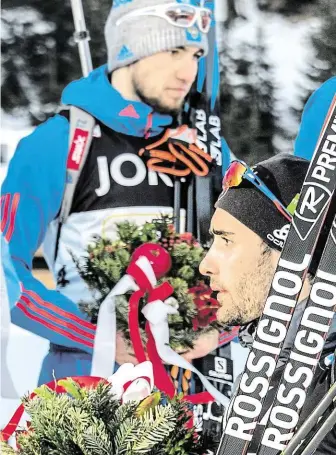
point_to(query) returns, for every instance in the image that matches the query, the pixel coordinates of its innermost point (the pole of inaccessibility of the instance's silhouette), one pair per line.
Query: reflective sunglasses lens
(234, 175)
(205, 21)
(182, 15)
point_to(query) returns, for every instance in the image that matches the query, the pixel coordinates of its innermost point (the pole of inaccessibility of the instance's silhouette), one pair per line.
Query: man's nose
(187, 71)
(207, 266)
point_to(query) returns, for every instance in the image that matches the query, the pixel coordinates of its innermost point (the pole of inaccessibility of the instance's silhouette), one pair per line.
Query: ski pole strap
(312, 208)
(80, 138)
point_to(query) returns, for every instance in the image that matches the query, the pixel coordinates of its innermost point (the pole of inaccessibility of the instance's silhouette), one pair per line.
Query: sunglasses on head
(238, 171)
(178, 14)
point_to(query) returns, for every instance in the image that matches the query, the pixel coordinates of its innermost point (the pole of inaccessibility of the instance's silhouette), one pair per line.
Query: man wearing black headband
(250, 225)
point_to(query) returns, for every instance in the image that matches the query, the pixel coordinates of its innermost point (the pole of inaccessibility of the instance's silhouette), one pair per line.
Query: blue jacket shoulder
(313, 118)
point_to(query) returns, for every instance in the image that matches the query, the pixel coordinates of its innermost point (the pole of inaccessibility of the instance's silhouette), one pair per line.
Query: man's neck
(305, 291)
(121, 81)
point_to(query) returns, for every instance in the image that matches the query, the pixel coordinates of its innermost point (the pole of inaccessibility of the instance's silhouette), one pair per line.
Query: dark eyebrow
(200, 52)
(221, 233)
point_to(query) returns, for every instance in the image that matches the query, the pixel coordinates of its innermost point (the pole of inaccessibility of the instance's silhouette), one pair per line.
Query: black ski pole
(191, 205)
(310, 423)
(177, 204)
(204, 114)
(321, 433)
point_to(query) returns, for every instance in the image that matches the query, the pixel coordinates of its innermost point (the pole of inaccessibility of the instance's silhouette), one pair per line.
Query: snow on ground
(25, 353)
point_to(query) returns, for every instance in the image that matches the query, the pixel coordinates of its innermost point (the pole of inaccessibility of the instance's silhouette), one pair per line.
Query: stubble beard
(154, 102)
(246, 302)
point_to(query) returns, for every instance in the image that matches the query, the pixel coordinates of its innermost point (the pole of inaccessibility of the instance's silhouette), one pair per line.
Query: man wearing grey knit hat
(153, 49)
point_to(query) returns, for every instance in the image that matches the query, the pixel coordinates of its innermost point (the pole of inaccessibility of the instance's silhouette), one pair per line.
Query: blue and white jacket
(313, 117)
(114, 185)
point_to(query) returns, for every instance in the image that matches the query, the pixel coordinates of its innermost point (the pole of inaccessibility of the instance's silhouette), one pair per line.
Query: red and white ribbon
(141, 277)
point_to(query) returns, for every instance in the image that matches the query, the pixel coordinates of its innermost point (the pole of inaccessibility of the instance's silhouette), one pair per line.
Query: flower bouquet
(123, 415)
(107, 261)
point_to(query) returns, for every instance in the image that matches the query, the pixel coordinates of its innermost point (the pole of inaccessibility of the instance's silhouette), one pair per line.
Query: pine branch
(94, 423)
(106, 262)
(128, 432)
(6, 449)
(158, 423)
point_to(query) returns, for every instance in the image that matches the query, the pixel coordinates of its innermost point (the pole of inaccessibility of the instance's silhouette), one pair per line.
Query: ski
(204, 112)
(305, 355)
(290, 274)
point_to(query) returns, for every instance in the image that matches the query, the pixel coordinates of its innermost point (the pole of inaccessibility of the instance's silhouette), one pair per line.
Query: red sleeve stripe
(52, 327)
(226, 337)
(2, 202)
(5, 199)
(64, 314)
(59, 321)
(15, 203)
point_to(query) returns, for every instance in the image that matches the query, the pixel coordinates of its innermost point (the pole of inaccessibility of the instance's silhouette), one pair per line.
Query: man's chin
(164, 104)
(230, 320)
(226, 316)
(169, 108)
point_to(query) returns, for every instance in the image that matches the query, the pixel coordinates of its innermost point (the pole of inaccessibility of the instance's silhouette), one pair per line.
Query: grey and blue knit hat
(143, 36)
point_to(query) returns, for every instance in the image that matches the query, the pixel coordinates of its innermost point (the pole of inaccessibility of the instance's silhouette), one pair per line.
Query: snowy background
(288, 50)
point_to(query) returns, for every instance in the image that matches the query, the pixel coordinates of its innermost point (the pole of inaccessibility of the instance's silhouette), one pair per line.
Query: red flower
(171, 228)
(206, 305)
(187, 237)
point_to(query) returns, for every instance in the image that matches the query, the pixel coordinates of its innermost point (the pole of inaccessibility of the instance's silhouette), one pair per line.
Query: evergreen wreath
(92, 421)
(106, 262)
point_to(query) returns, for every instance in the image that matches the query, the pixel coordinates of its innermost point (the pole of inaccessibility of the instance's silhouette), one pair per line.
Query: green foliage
(92, 422)
(106, 262)
(143, 433)
(5, 449)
